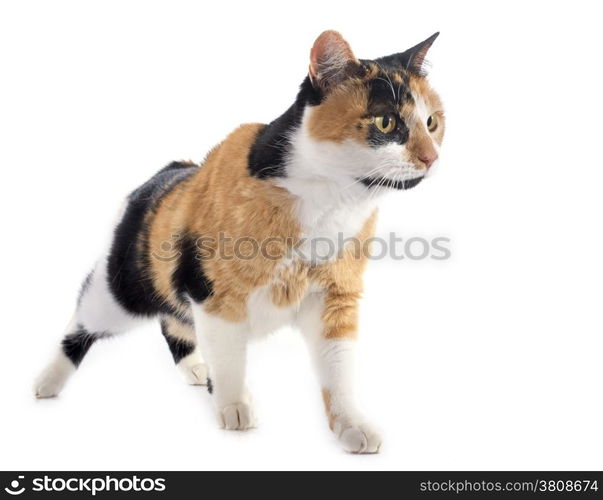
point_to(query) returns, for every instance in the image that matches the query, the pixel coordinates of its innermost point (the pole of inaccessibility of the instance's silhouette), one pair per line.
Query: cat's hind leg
(53, 378)
(98, 315)
(182, 342)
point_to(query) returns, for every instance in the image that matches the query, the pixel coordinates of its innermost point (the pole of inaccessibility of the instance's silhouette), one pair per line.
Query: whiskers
(365, 177)
(386, 177)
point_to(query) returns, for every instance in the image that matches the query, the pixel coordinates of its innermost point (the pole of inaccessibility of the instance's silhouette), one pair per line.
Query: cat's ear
(413, 59)
(416, 54)
(331, 60)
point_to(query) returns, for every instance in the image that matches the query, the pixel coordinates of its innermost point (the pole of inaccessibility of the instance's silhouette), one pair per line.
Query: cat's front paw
(359, 437)
(237, 417)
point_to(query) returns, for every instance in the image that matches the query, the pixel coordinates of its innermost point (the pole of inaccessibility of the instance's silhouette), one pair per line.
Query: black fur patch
(410, 60)
(385, 98)
(76, 345)
(210, 386)
(128, 264)
(406, 184)
(188, 278)
(267, 155)
(396, 62)
(178, 347)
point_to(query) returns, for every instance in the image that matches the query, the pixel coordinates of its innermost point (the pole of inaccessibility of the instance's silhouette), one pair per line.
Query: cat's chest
(302, 272)
(325, 231)
(276, 303)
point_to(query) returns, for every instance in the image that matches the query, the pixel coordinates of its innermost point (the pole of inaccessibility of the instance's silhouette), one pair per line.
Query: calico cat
(226, 251)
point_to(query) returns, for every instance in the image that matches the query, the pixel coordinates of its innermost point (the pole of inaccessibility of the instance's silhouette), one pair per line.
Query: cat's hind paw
(54, 377)
(196, 374)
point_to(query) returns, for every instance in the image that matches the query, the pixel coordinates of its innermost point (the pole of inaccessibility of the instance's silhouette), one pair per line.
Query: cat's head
(373, 123)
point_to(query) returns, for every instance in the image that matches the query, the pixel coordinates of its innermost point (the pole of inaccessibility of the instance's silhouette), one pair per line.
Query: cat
(225, 251)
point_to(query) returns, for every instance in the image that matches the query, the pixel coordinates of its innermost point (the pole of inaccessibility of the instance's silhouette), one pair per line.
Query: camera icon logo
(14, 487)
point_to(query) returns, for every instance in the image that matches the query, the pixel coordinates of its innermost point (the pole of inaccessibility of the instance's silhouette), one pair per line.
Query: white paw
(196, 374)
(237, 417)
(52, 380)
(361, 438)
(47, 388)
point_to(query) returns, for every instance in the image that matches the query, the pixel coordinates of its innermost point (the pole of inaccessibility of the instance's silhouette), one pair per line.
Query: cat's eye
(432, 123)
(385, 123)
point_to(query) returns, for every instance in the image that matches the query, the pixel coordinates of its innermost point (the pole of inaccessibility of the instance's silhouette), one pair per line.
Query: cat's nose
(428, 158)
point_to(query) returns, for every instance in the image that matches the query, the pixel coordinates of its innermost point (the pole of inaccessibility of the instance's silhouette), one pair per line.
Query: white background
(490, 360)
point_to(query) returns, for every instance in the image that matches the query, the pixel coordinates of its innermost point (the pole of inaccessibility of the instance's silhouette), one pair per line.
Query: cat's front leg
(330, 331)
(224, 346)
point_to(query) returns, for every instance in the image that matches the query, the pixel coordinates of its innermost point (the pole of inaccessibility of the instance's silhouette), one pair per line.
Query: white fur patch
(263, 317)
(422, 113)
(193, 368)
(98, 310)
(224, 345)
(335, 362)
(331, 204)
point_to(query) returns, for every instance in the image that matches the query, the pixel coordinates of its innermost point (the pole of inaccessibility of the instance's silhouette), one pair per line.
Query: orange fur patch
(223, 203)
(326, 398)
(342, 280)
(337, 117)
(420, 87)
(179, 330)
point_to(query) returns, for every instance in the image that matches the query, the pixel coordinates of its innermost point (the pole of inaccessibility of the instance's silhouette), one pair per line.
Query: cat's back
(230, 158)
(226, 190)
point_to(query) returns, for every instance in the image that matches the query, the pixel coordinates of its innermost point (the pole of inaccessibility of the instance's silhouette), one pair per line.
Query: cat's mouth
(371, 182)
